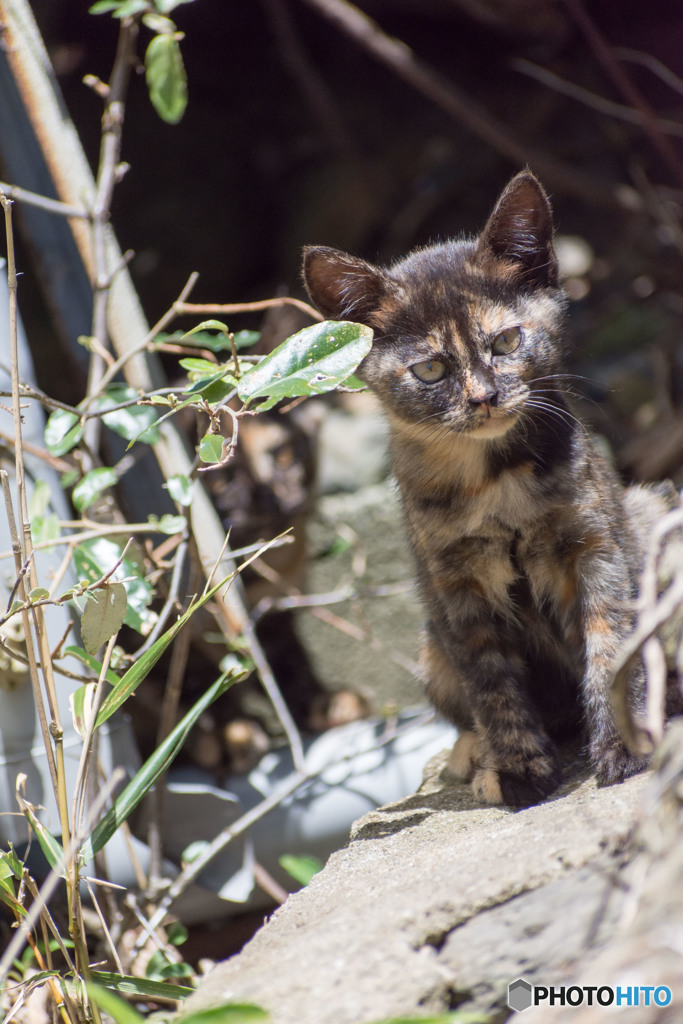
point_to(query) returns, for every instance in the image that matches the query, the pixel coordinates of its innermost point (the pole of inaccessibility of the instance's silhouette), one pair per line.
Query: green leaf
(44, 528)
(103, 615)
(302, 869)
(229, 1013)
(104, 6)
(92, 663)
(211, 448)
(210, 325)
(81, 704)
(200, 339)
(212, 389)
(314, 361)
(96, 557)
(139, 786)
(166, 6)
(180, 488)
(12, 863)
(38, 594)
(143, 987)
(160, 968)
(63, 431)
(199, 369)
(118, 1009)
(355, 383)
(120, 8)
(158, 23)
(168, 524)
(50, 846)
(40, 499)
(135, 422)
(166, 81)
(92, 486)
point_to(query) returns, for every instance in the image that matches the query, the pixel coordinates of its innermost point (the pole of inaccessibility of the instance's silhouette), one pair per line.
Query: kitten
(528, 549)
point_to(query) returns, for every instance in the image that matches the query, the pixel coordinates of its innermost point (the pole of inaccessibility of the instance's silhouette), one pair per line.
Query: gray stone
(402, 920)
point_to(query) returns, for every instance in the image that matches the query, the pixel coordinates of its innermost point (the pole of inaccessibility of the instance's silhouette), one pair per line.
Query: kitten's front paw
(533, 782)
(535, 779)
(486, 786)
(616, 764)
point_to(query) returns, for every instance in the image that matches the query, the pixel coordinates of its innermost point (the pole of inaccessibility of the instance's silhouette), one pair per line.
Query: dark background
(255, 169)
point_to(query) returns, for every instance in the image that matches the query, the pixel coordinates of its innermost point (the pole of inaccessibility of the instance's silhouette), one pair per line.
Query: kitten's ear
(341, 286)
(520, 231)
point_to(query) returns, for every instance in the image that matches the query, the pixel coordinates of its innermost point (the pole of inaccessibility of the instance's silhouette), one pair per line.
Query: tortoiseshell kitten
(528, 549)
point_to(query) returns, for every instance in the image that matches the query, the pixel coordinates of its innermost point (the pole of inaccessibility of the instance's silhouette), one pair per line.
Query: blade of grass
(156, 765)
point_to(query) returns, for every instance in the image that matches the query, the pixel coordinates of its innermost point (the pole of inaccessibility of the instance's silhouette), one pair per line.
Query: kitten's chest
(453, 492)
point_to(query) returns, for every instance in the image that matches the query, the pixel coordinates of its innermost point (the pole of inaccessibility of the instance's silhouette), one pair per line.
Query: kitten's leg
(606, 623)
(445, 691)
(510, 758)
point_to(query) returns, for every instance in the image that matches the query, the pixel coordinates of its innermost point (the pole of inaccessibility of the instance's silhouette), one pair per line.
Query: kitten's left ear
(520, 231)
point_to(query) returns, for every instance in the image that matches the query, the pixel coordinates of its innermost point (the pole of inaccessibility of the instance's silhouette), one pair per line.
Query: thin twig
(466, 111)
(591, 99)
(43, 203)
(626, 87)
(657, 68)
(192, 308)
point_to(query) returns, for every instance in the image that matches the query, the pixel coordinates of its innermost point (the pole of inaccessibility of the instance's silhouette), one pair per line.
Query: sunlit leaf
(38, 594)
(211, 448)
(50, 846)
(229, 1013)
(169, 524)
(81, 703)
(166, 81)
(143, 987)
(44, 528)
(92, 486)
(166, 6)
(302, 869)
(103, 615)
(180, 488)
(92, 663)
(314, 361)
(96, 557)
(134, 422)
(118, 1009)
(209, 325)
(199, 368)
(120, 8)
(40, 499)
(63, 431)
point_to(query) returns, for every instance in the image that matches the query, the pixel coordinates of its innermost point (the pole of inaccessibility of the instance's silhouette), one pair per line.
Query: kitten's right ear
(342, 286)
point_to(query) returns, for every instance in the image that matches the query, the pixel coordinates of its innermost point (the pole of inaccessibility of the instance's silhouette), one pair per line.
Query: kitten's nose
(489, 399)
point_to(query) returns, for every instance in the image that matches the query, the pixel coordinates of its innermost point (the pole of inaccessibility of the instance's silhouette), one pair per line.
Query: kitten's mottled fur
(528, 549)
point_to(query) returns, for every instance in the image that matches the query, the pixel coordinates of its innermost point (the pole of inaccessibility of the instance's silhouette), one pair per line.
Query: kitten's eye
(507, 341)
(430, 371)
